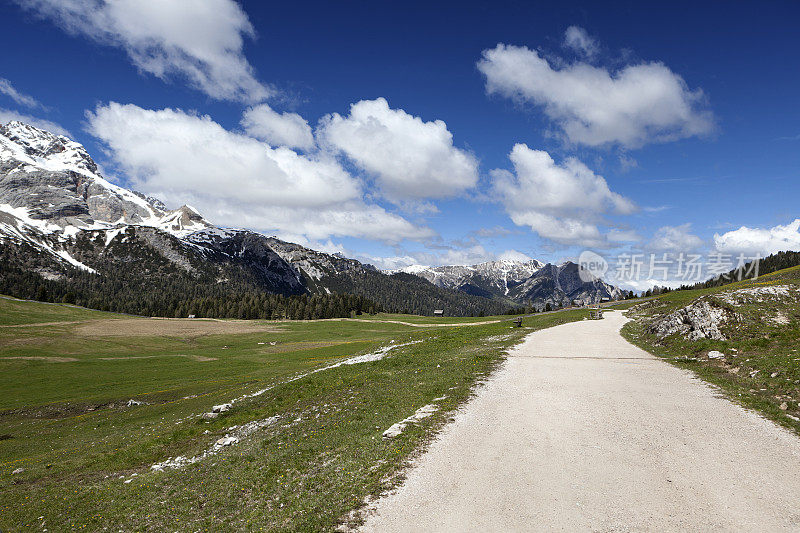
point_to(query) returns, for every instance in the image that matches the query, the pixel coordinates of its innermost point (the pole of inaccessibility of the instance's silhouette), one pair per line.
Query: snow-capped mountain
(519, 282)
(51, 189)
(59, 217)
(496, 277)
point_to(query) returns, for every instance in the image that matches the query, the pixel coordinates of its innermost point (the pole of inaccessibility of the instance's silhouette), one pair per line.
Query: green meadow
(90, 401)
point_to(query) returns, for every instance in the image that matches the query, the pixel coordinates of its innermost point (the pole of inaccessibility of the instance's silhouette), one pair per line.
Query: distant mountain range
(529, 283)
(61, 220)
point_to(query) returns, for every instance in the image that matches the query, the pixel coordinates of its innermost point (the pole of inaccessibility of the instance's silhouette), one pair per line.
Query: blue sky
(636, 129)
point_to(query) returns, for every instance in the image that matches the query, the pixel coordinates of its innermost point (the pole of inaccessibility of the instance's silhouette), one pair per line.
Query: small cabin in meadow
(438, 312)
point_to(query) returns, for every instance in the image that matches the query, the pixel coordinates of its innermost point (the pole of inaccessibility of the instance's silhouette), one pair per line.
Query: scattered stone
(794, 418)
(128, 481)
(177, 462)
(17, 471)
(210, 416)
(753, 373)
(757, 294)
(221, 408)
(784, 406)
(779, 319)
(714, 354)
(773, 375)
(227, 441)
(134, 403)
(419, 414)
(734, 370)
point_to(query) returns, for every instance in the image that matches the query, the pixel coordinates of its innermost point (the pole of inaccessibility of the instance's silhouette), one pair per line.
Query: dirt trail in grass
(416, 325)
(582, 431)
(173, 327)
(38, 324)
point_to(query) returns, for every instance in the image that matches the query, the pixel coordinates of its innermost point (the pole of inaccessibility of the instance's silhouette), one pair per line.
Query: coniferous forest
(133, 278)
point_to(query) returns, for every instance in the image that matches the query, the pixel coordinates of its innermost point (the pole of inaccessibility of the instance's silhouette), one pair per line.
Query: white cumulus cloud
(580, 41)
(763, 241)
(562, 202)
(469, 255)
(236, 180)
(201, 41)
(410, 159)
(675, 239)
(286, 129)
(632, 106)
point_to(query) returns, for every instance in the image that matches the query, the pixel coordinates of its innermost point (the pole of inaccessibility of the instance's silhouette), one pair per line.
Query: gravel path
(581, 431)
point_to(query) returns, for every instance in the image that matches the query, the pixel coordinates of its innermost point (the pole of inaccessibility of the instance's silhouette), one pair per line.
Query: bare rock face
(701, 319)
(56, 180)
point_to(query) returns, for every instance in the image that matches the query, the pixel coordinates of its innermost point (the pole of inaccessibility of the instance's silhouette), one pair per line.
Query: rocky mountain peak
(35, 141)
(183, 221)
(53, 179)
(29, 146)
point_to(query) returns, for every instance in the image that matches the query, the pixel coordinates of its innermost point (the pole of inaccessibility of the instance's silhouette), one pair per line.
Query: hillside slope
(743, 337)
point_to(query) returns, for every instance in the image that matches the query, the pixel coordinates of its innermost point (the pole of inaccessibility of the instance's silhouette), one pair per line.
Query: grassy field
(310, 451)
(761, 364)
(21, 312)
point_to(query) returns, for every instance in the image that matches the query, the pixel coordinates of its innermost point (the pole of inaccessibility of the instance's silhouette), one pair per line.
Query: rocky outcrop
(702, 319)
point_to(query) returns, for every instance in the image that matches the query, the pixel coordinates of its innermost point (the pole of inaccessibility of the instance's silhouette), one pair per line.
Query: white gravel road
(581, 431)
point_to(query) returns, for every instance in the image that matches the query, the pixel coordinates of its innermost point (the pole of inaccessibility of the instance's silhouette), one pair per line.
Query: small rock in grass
(774, 374)
(17, 471)
(714, 354)
(209, 416)
(227, 441)
(784, 406)
(221, 408)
